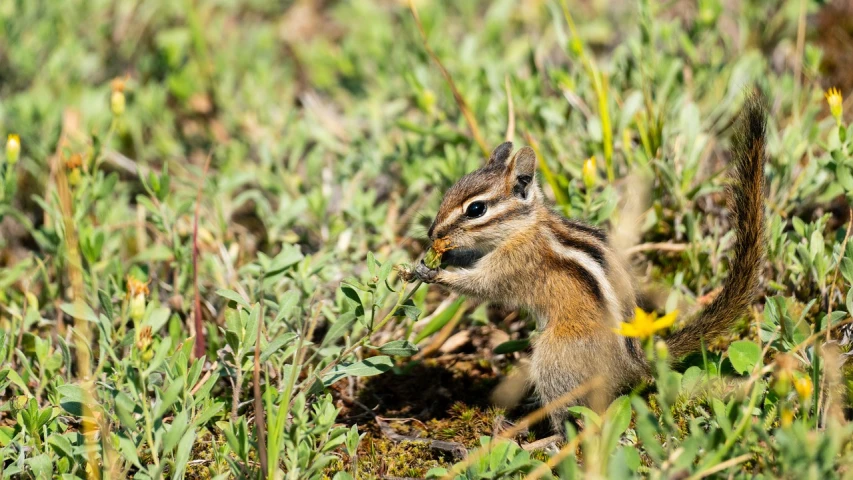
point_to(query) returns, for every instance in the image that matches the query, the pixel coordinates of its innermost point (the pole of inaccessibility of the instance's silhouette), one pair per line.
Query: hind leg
(568, 373)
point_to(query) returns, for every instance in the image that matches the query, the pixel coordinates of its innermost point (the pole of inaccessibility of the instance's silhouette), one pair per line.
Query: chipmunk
(510, 247)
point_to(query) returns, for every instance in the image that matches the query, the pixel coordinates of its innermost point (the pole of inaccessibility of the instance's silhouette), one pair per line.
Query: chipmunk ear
(500, 154)
(521, 171)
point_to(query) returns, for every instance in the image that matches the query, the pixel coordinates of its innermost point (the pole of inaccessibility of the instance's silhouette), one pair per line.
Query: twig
(460, 100)
(835, 275)
(722, 466)
(443, 334)
(199, 349)
(555, 459)
(204, 378)
(510, 122)
(74, 264)
(400, 302)
(454, 448)
(559, 194)
(260, 424)
(798, 65)
(541, 443)
(533, 418)
(660, 246)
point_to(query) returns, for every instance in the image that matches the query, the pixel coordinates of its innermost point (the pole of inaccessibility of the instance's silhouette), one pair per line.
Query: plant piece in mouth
(433, 255)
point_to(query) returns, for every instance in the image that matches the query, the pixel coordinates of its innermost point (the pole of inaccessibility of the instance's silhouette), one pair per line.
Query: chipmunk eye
(476, 209)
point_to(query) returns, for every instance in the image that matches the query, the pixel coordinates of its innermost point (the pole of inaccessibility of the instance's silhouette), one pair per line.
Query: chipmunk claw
(426, 274)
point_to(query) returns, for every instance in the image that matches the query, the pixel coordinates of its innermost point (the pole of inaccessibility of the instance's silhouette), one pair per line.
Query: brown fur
(746, 202)
(569, 276)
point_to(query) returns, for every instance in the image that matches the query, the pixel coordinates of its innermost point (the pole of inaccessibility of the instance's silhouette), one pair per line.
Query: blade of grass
(460, 100)
(83, 338)
(559, 195)
(510, 122)
(200, 348)
(600, 84)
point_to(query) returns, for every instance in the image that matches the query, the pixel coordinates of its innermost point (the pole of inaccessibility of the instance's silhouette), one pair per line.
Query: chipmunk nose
(431, 231)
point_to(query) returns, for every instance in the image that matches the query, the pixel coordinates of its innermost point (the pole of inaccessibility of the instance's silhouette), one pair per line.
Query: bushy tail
(746, 201)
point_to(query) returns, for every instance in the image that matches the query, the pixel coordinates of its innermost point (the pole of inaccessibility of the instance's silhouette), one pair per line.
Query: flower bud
(13, 148)
(143, 343)
(137, 307)
(432, 259)
(589, 173)
(20, 402)
(117, 103)
(136, 291)
(32, 301)
(661, 350)
(835, 101)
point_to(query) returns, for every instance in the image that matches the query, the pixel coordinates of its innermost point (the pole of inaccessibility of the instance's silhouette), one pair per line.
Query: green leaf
(169, 397)
(234, 297)
(350, 293)
(79, 310)
(618, 417)
(439, 320)
(371, 264)
(587, 414)
(365, 368)
(845, 178)
(286, 304)
(399, 348)
(16, 379)
(160, 355)
(128, 450)
(175, 432)
(409, 311)
(512, 346)
(691, 379)
(744, 355)
(41, 466)
(71, 399)
(816, 245)
(183, 454)
(849, 301)
(157, 318)
(276, 344)
(61, 445)
(722, 415)
(106, 304)
(341, 326)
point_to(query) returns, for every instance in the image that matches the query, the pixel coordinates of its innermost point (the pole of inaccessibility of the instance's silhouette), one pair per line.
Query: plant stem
(149, 422)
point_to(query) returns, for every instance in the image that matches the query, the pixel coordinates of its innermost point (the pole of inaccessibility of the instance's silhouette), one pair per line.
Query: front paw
(426, 274)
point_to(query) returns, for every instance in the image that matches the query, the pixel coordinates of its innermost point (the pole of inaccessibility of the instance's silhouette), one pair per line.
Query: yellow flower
(13, 148)
(589, 174)
(835, 100)
(645, 324)
(803, 386)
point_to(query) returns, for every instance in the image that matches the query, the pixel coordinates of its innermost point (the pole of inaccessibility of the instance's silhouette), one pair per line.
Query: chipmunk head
(486, 206)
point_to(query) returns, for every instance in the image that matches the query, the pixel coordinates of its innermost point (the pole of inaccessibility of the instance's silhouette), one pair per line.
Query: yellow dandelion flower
(835, 101)
(645, 324)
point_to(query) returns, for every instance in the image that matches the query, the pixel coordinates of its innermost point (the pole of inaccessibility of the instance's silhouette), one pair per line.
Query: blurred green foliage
(331, 134)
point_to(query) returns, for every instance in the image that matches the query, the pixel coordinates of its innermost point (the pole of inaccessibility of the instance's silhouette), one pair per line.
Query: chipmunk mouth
(462, 257)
